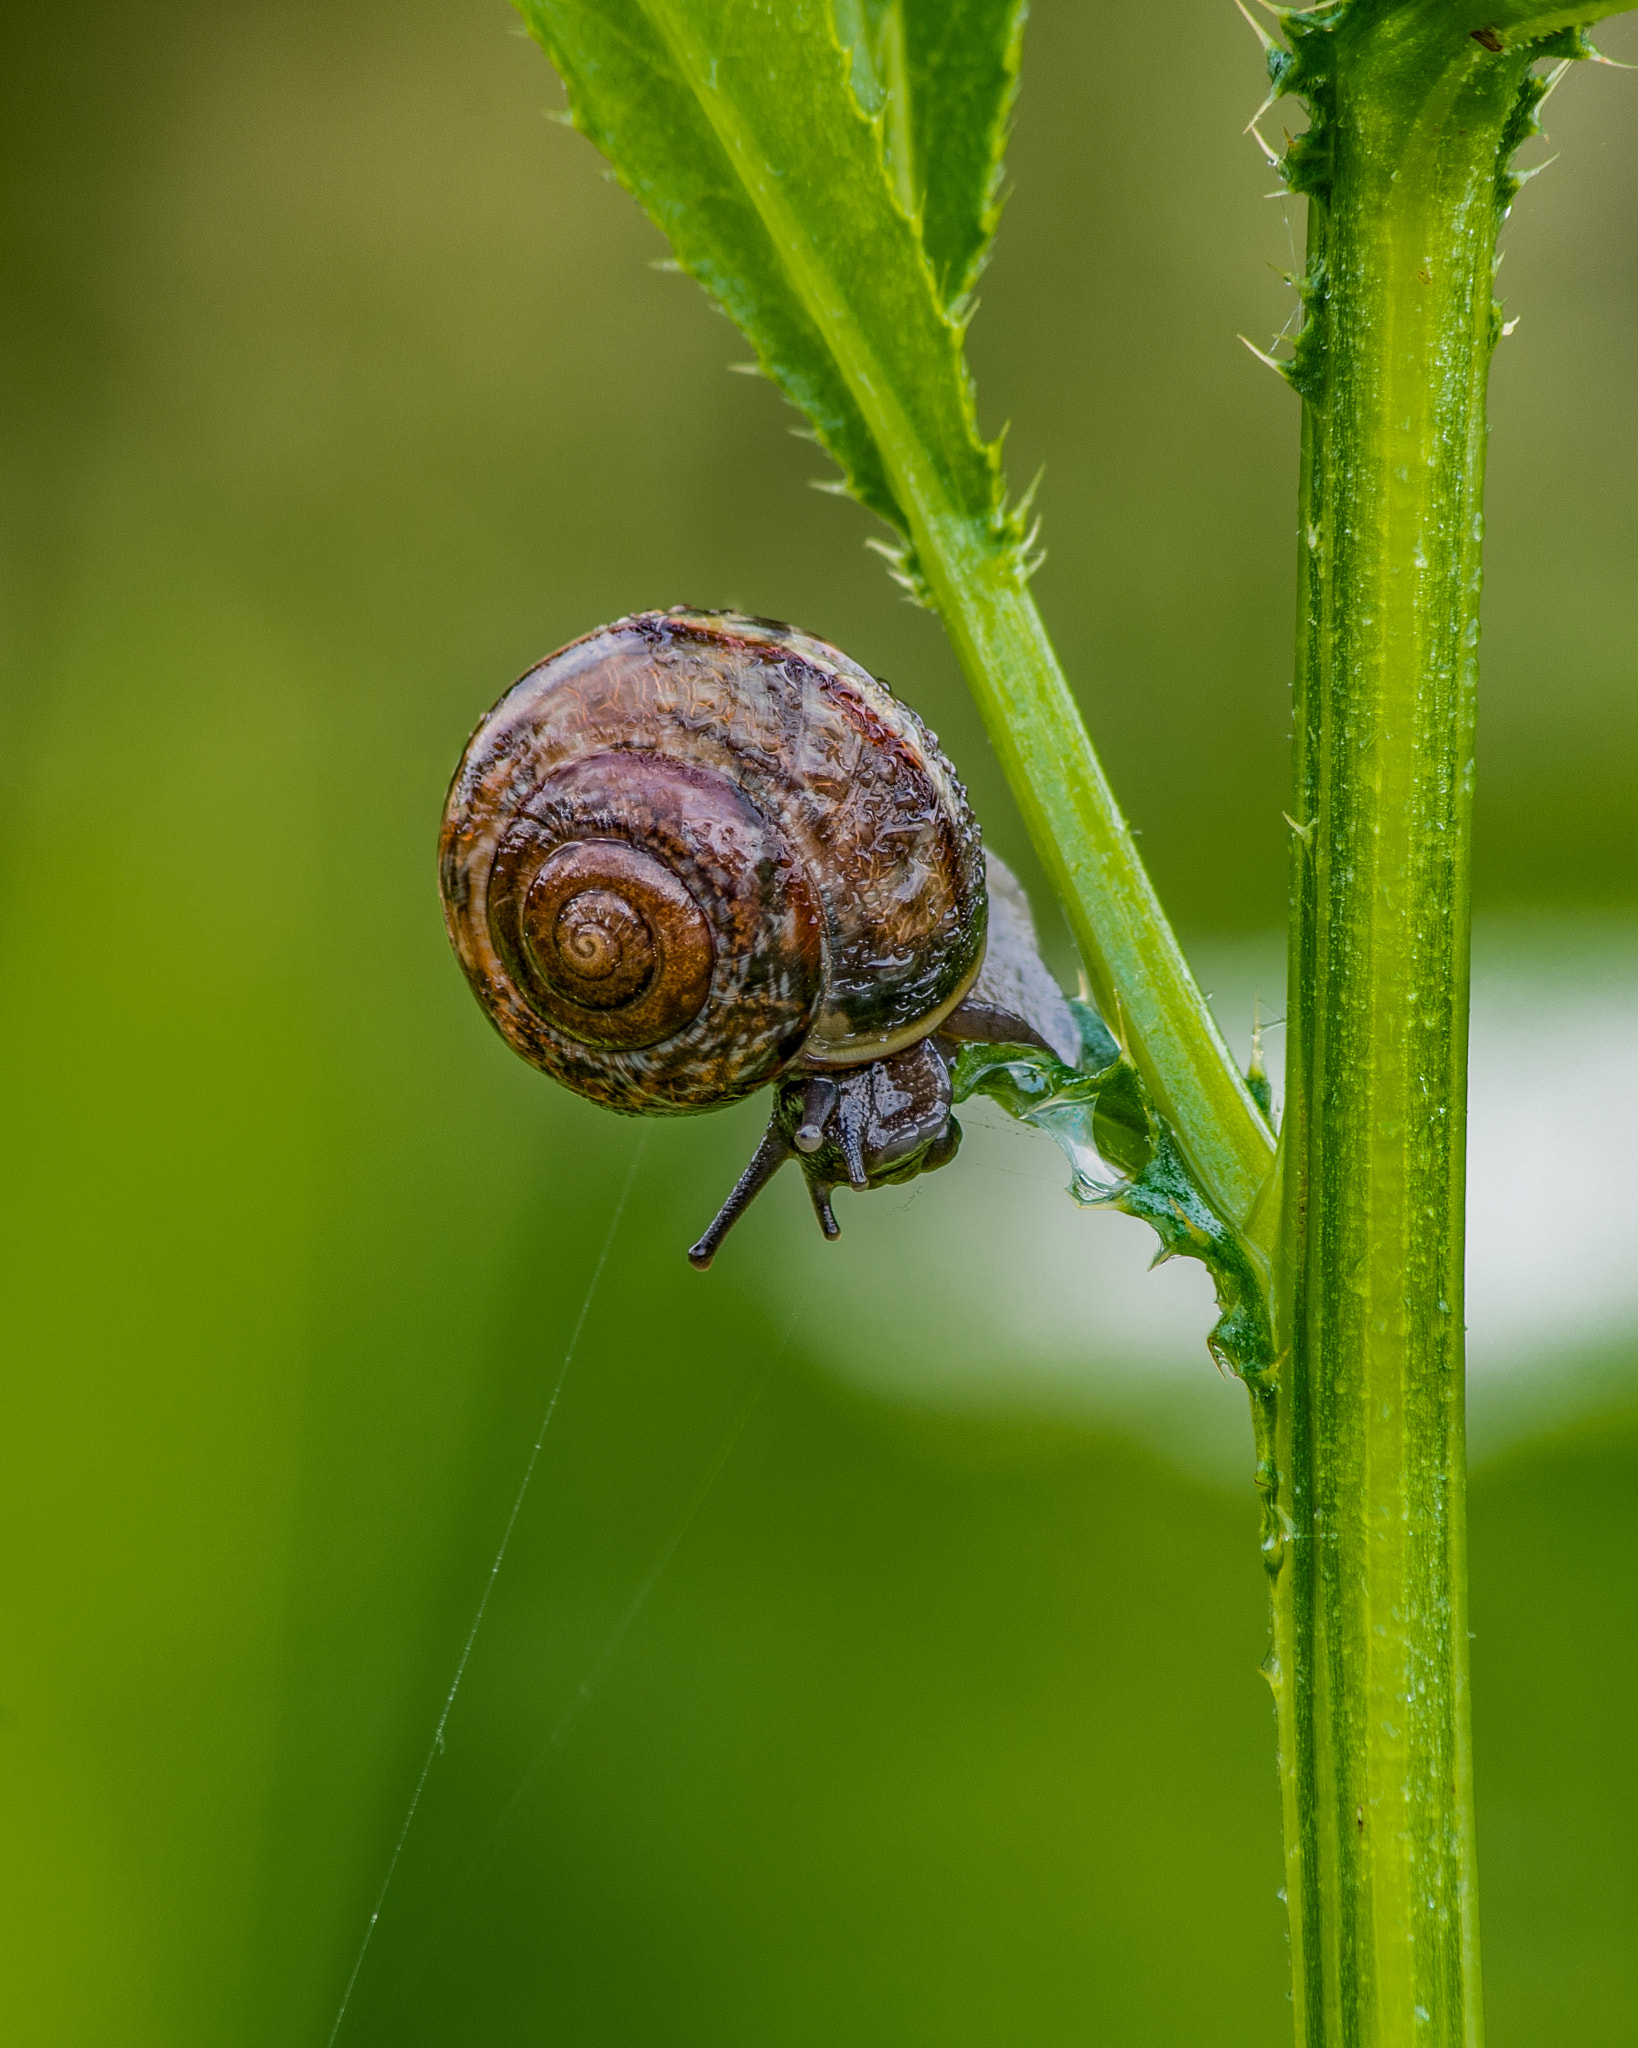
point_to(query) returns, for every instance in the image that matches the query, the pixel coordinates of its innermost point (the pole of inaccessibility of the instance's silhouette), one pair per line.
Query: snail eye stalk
(766, 1161)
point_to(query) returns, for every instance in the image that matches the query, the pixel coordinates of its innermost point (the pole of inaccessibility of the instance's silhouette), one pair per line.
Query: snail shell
(695, 853)
(695, 850)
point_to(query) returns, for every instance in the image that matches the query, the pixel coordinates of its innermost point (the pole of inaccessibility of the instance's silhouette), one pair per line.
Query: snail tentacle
(819, 1193)
(766, 1161)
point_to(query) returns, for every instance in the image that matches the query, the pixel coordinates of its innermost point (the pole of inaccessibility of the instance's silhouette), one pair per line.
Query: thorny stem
(1415, 117)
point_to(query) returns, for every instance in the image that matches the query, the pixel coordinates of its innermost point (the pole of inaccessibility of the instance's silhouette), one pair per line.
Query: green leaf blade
(629, 99)
(738, 128)
(961, 61)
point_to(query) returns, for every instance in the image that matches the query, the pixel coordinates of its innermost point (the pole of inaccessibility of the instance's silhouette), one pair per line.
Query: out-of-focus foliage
(337, 387)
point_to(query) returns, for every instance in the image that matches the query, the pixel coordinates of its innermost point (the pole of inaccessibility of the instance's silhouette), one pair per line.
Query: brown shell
(694, 850)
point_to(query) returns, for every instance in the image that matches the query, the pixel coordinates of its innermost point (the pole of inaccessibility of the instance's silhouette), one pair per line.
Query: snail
(695, 854)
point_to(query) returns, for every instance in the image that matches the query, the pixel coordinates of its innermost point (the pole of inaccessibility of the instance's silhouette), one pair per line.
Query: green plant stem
(1138, 974)
(1139, 977)
(1370, 1662)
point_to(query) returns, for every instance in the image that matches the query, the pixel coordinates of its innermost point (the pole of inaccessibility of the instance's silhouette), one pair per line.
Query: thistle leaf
(762, 148)
(1100, 1116)
(961, 61)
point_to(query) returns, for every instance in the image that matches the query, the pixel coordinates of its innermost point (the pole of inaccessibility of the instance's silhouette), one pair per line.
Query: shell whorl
(618, 949)
(693, 850)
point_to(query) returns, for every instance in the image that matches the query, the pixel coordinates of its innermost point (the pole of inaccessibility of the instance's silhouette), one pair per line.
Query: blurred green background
(339, 386)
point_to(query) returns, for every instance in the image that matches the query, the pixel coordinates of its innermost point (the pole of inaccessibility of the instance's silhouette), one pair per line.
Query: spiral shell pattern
(694, 850)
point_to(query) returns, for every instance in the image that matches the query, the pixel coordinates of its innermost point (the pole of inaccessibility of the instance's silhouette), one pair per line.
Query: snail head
(865, 1127)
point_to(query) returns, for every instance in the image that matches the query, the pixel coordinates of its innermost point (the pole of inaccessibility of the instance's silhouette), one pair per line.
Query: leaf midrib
(921, 495)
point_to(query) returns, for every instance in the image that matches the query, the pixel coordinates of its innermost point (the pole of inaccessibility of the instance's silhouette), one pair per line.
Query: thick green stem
(1414, 119)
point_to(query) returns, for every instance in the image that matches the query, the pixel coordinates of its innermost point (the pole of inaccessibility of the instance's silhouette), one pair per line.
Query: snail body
(696, 853)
